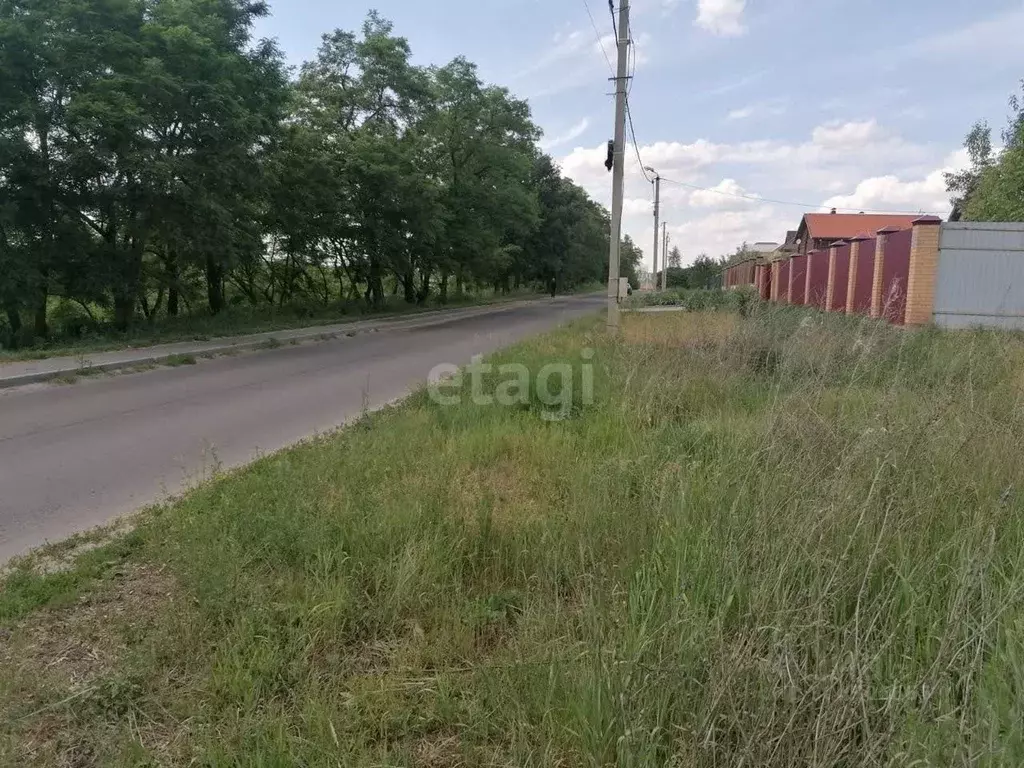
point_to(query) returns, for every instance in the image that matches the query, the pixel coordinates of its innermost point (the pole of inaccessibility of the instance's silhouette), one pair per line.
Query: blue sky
(854, 103)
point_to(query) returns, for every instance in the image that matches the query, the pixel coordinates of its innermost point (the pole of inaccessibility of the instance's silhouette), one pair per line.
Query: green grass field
(784, 539)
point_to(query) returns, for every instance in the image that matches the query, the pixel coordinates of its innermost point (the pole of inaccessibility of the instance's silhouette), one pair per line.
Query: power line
(597, 34)
(636, 145)
(629, 111)
(757, 199)
(629, 114)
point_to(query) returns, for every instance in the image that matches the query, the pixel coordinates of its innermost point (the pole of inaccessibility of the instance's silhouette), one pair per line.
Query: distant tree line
(155, 160)
(992, 188)
(704, 272)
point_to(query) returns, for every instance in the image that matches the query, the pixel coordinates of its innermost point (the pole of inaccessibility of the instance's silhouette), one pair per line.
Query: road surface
(76, 456)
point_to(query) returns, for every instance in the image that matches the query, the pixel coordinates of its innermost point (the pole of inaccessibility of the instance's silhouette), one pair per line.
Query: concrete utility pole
(618, 167)
(664, 251)
(657, 213)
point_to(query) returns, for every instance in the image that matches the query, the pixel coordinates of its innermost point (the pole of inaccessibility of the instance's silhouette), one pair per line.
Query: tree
(630, 258)
(962, 184)
(992, 189)
(155, 158)
(675, 258)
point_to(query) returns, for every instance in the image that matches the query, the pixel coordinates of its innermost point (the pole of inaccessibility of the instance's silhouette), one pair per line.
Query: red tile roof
(839, 226)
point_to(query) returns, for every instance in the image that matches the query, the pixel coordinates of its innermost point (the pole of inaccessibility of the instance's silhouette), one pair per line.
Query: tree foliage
(992, 189)
(155, 159)
(704, 273)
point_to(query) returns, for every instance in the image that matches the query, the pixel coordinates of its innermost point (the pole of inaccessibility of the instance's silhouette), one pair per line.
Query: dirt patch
(439, 750)
(58, 661)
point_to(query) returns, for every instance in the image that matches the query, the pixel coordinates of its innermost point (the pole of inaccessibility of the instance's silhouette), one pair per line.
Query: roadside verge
(18, 374)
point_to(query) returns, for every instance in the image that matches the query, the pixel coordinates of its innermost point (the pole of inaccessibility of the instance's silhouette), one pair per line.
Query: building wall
(980, 276)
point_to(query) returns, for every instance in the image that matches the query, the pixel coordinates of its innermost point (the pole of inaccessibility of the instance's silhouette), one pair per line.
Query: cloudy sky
(859, 104)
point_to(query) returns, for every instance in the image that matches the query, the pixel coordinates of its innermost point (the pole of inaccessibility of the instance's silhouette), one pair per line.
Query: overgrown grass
(782, 539)
(695, 299)
(85, 336)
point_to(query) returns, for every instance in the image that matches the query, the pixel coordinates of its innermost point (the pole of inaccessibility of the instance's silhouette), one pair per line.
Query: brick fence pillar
(877, 289)
(924, 264)
(831, 290)
(851, 285)
(775, 281)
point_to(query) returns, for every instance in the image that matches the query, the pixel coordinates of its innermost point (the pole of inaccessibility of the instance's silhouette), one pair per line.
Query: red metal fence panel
(784, 281)
(895, 273)
(798, 265)
(817, 264)
(864, 279)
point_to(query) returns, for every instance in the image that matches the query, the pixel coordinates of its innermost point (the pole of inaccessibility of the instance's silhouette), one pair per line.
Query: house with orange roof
(819, 230)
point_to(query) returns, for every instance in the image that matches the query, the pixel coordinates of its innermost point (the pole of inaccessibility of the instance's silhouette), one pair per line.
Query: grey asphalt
(76, 456)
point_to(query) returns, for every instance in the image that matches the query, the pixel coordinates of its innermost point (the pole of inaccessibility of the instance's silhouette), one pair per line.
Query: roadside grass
(234, 321)
(176, 361)
(780, 539)
(695, 299)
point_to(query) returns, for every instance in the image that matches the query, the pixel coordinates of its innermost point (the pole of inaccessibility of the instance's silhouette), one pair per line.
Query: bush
(698, 299)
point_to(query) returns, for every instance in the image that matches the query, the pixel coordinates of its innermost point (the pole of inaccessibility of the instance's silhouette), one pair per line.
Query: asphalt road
(76, 456)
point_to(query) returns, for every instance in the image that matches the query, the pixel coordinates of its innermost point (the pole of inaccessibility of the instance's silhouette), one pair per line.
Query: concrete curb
(55, 368)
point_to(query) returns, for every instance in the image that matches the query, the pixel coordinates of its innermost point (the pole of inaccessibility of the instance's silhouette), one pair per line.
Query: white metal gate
(980, 279)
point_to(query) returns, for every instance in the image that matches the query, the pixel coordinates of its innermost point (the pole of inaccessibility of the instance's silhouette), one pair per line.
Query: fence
(979, 276)
(956, 275)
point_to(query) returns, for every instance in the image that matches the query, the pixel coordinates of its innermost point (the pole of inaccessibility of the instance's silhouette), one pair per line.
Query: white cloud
(577, 58)
(847, 136)
(721, 17)
(727, 194)
(564, 138)
(735, 85)
(889, 192)
(721, 232)
(637, 206)
(834, 153)
(996, 37)
(771, 108)
(856, 164)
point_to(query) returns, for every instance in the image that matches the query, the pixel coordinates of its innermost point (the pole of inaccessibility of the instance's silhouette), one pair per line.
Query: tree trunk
(215, 285)
(444, 287)
(14, 320)
(39, 326)
(124, 309)
(127, 289)
(173, 290)
(409, 284)
(424, 291)
(375, 284)
(460, 284)
(172, 301)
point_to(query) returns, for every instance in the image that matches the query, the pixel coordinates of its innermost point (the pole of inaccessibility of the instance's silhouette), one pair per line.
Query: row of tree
(992, 188)
(155, 159)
